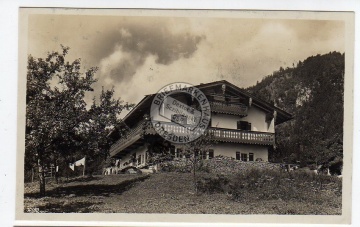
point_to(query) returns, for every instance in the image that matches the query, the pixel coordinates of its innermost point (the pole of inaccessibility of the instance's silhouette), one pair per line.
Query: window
(251, 157)
(244, 125)
(244, 157)
(203, 154)
(237, 155)
(211, 153)
(178, 152)
(133, 158)
(139, 160)
(197, 153)
(187, 154)
(189, 100)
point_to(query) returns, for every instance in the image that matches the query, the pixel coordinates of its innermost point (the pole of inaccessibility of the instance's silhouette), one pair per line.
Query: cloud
(139, 55)
(135, 43)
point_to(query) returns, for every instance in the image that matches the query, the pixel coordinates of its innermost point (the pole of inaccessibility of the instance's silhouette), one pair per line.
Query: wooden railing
(218, 134)
(240, 136)
(131, 136)
(222, 107)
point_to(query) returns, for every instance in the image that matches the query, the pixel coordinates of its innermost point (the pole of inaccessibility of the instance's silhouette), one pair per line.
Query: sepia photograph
(242, 116)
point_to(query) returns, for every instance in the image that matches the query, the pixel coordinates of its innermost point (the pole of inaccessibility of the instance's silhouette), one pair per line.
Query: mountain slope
(313, 91)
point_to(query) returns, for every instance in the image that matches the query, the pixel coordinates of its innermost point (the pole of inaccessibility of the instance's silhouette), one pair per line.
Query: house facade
(242, 125)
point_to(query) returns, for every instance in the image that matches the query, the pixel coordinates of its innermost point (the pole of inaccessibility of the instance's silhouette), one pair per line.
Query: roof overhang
(143, 106)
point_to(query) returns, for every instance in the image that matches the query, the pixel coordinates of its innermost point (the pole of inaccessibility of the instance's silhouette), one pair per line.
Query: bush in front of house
(180, 166)
(213, 184)
(270, 184)
(258, 184)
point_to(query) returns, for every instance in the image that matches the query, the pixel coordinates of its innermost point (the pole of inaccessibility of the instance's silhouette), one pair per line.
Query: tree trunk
(41, 177)
(42, 181)
(195, 183)
(32, 174)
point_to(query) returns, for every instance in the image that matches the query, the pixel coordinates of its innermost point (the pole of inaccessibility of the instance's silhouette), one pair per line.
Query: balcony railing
(240, 136)
(223, 107)
(219, 134)
(130, 137)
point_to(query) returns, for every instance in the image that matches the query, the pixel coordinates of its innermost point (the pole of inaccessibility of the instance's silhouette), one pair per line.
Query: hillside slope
(173, 193)
(313, 92)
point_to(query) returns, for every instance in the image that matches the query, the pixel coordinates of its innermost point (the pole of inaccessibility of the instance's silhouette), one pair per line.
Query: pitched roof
(141, 108)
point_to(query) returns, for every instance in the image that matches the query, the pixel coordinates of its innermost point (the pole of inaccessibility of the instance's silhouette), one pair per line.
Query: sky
(137, 55)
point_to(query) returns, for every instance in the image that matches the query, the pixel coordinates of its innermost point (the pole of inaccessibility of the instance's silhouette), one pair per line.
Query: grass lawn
(163, 193)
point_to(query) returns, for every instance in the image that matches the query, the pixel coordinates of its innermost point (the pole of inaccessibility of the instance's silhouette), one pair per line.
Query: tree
(195, 148)
(57, 121)
(159, 151)
(103, 117)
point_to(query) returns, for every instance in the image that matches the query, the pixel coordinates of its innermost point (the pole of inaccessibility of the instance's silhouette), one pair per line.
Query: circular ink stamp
(180, 112)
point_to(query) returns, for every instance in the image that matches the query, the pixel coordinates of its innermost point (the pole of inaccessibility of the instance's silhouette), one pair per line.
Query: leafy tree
(102, 119)
(159, 151)
(195, 148)
(57, 121)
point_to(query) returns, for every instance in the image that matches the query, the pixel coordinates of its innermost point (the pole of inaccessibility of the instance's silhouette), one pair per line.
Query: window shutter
(179, 152)
(251, 157)
(172, 151)
(249, 127)
(211, 153)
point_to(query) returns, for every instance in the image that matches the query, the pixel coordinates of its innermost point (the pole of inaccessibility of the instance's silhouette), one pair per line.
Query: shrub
(213, 184)
(270, 184)
(251, 183)
(203, 167)
(176, 166)
(184, 166)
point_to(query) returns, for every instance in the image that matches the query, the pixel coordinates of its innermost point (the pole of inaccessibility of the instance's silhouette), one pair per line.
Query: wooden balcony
(219, 134)
(226, 108)
(131, 137)
(240, 136)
